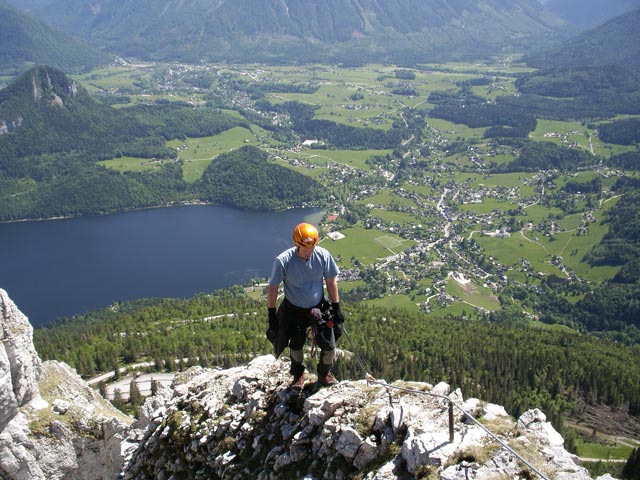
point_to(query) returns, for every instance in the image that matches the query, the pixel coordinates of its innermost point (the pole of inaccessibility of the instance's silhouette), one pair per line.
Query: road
(143, 381)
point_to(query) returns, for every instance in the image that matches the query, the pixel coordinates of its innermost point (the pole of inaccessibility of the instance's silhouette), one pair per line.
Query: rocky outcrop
(54, 425)
(246, 423)
(19, 361)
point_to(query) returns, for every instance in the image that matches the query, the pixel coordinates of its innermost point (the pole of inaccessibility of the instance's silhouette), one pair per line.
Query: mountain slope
(590, 13)
(302, 30)
(45, 111)
(617, 42)
(27, 40)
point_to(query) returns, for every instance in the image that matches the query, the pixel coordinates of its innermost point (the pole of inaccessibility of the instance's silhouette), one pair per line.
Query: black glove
(273, 319)
(338, 316)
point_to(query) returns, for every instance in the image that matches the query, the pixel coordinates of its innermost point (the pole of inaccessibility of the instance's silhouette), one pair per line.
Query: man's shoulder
(287, 254)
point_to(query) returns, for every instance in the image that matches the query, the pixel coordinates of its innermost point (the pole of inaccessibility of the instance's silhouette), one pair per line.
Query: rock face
(54, 426)
(246, 423)
(19, 362)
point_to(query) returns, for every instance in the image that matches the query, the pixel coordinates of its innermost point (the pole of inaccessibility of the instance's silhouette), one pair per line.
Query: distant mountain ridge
(27, 40)
(304, 30)
(616, 42)
(590, 13)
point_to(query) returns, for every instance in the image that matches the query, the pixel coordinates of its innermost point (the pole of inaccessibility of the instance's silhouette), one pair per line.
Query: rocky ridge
(54, 426)
(246, 423)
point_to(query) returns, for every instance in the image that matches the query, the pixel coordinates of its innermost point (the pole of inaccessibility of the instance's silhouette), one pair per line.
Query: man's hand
(273, 319)
(338, 316)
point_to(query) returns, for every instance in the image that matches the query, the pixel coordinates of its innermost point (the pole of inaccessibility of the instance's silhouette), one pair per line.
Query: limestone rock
(246, 422)
(54, 426)
(19, 362)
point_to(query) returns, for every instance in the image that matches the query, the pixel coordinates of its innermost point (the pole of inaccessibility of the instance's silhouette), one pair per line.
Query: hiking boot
(327, 380)
(298, 382)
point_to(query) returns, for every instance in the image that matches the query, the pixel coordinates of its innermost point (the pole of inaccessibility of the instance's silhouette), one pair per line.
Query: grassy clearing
(399, 218)
(568, 134)
(367, 246)
(353, 158)
(538, 213)
(473, 294)
(400, 301)
(386, 198)
(198, 153)
(488, 205)
(452, 130)
(509, 251)
(588, 449)
(458, 309)
(422, 190)
(113, 77)
(130, 164)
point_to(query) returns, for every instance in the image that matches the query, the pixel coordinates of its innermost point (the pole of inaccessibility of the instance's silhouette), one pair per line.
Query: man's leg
(327, 343)
(297, 358)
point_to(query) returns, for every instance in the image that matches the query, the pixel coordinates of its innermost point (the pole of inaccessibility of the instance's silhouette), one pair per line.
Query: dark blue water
(59, 268)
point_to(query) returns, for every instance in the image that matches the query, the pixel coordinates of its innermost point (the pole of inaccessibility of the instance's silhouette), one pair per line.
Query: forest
(264, 185)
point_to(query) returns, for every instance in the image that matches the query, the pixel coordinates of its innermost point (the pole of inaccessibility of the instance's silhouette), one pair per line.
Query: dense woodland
(487, 360)
(264, 184)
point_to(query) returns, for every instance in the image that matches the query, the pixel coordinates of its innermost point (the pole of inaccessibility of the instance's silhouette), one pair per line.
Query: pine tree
(135, 397)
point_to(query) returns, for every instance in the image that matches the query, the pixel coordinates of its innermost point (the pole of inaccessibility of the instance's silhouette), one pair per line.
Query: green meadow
(130, 164)
(474, 294)
(452, 130)
(386, 198)
(353, 158)
(366, 246)
(400, 218)
(197, 153)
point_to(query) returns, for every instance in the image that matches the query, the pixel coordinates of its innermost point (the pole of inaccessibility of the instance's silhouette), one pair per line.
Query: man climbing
(302, 269)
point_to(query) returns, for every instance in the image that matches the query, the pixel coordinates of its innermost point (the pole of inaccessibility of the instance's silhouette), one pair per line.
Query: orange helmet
(305, 235)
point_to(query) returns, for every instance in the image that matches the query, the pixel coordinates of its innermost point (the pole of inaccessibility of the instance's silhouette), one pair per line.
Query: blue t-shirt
(303, 279)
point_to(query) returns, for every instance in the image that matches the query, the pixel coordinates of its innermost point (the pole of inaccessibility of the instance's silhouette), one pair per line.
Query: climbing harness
(372, 380)
(319, 318)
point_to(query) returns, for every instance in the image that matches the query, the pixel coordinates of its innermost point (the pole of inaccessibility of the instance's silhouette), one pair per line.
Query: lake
(59, 268)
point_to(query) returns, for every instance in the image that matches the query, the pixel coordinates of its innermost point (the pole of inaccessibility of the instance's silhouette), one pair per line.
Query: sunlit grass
(198, 153)
(454, 130)
(387, 198)
(352, 158)
(473, 294)
(366, 246)
(400, 218)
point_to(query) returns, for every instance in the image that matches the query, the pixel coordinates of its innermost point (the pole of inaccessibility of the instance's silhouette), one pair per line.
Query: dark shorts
(297, 320)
